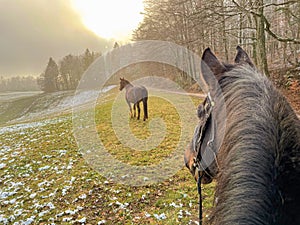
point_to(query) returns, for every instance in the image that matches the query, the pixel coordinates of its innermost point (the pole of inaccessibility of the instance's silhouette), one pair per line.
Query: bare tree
(268, 30)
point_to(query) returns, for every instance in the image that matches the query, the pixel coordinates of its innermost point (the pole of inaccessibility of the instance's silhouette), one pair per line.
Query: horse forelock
(251, 157)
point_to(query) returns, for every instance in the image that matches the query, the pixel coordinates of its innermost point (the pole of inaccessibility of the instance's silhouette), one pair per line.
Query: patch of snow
(2, 165)
(63, 101)
(83, 196)
(38, 206)
(101, 222)
(82, 220)
(45, 183)
(64, 191)
(41, 214)
(121, 205)
(125, 176)
(16, 184)
(188, 213)
(50, 205)
(44, 168)
(18, 212)
(3, 220)
(60, 214)
(4, 195)
(176, 206)
(71, 212)
(24, 126)
(79, 208)
(180, 214)
(160, 217)
(72, 180)
(62, 152)
(8, 96)
(12, 201)
(4, 149)
(70, 165)
(29, 221)
(67, 219)
(147, 214)
(26, 175)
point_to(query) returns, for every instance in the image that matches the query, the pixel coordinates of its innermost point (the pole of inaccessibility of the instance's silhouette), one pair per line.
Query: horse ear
(242, 57)
(212, 70)
(210, 64)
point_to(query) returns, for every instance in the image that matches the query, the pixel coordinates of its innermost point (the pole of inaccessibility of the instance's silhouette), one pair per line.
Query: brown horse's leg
(134, 112)
(139, 109)
(145, 108)
(130, 110)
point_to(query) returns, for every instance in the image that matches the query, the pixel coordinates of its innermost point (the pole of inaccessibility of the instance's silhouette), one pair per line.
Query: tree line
(19, 83)
(268, 29)
(63, 75)
(66, 74)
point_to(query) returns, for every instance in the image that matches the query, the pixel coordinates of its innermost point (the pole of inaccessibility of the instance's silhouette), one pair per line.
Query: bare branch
(280, 4)
(281, 39)
(268, 25)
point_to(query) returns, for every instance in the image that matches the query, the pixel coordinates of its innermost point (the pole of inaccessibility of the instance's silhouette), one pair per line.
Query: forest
(67, 73)
(267, 29)
(63, 75)
(19, 83)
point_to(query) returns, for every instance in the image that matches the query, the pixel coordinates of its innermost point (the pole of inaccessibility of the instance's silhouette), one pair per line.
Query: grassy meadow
(44, 178)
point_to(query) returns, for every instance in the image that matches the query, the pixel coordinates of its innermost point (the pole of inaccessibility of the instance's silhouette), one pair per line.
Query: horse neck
(246, 173)
(128, 86)
(256, 137)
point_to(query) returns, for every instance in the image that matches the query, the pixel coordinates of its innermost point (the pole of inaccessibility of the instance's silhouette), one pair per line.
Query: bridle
(200, 131)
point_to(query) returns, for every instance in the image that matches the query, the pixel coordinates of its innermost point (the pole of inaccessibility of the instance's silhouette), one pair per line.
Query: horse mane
(126, 82)
(259, 161)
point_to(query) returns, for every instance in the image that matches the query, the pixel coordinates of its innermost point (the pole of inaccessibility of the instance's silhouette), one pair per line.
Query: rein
(200, 197)
(197, 160)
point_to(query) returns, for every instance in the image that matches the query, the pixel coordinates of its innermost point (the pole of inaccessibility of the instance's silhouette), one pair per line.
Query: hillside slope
(21, 107)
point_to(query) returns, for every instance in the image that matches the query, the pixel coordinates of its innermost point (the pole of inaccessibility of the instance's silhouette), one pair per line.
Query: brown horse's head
(201, 155)
(123, 83)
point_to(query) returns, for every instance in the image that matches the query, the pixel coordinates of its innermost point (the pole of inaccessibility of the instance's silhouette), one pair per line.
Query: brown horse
(135, 95)
(257, 167)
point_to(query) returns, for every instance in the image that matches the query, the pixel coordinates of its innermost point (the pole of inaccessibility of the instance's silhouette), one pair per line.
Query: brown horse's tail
(145, 100)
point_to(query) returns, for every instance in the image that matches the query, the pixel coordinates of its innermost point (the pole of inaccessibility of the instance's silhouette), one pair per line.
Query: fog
(33, 31)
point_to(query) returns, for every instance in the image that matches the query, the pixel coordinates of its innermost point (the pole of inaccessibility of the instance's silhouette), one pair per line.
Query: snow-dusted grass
(45, 180)
(8, 96)
(20, 107)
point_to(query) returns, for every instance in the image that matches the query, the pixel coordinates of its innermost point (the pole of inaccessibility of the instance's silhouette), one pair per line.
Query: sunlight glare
(110, 18)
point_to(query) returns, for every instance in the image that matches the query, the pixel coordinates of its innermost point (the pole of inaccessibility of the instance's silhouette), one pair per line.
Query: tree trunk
(261, 39)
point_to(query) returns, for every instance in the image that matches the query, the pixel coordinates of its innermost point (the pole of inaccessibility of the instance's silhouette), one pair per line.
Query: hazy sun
(110, 18)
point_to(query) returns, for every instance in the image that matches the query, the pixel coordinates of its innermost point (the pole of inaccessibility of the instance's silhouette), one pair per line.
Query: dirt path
(292, 98)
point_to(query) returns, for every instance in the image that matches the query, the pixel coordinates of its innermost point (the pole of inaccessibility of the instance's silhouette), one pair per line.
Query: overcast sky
(32, 31)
